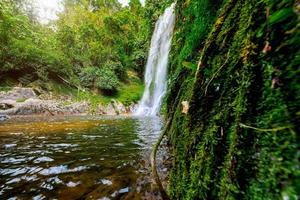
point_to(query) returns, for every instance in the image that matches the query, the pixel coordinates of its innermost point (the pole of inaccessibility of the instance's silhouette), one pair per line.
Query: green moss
(5, 88)
(239, 139)
(21, 100)
(131, 92)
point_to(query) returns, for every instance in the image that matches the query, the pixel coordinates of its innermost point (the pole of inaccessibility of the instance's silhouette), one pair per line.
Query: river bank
(21, 101)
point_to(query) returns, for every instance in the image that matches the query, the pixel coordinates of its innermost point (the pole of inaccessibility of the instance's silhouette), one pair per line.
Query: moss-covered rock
(236, 62)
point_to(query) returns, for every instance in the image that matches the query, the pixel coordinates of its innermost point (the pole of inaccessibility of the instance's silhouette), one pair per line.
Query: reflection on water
(77, 158)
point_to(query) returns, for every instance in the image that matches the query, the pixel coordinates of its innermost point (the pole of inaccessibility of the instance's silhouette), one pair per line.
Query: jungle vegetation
(98, 46)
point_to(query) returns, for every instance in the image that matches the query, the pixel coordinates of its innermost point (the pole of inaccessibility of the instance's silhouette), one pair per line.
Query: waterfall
(157, 63)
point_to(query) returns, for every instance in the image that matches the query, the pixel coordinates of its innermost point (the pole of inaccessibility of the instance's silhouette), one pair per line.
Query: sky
(47, 9)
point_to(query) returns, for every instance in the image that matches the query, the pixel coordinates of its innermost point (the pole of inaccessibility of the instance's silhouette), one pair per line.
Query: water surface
(77, 158)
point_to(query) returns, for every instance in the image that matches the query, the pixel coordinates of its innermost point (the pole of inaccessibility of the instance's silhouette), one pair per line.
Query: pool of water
(77, 158)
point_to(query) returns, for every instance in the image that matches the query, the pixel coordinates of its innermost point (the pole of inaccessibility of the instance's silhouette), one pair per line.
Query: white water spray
(156, 69)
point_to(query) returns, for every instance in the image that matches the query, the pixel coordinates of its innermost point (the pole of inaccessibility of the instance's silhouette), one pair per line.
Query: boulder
(18, 93)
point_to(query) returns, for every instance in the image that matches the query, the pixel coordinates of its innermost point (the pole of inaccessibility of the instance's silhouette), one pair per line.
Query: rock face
(24, 101)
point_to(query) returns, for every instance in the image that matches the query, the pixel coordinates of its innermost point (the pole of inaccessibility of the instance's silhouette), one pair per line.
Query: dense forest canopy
(93, 44)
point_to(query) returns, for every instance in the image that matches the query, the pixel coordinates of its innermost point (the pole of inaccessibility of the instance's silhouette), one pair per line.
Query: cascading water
(156, 68)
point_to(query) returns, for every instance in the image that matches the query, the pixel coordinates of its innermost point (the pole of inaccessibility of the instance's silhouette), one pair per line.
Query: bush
(106, 79)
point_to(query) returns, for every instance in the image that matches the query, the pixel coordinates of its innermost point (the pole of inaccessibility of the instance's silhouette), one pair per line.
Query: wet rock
(101, 109)
(18, 93)
(110, 110)
(77, 108)
(132, 108)
(4, 118)
(118, 107)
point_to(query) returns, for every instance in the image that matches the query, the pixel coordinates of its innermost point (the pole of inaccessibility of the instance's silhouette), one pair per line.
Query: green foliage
(105, 43)
(88, 76)
(131, 92)
(107, 79)
(92, 45)
(21, 40)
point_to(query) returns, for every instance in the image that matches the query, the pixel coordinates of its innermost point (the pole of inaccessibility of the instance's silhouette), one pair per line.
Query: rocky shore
(25, 101)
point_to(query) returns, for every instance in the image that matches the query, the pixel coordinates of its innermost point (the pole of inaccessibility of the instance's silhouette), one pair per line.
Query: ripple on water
(120, 145)
(121, 191)
(43, 159)
(92, 136)
(62, 145)
(60, 170)
(39, 197)
(15, 171)
(105, 198)
(17, 133)
(109, 156)
(22, 178)
(8, 146)
(47, 186)
(15, 160)
(12, 198)
(73, 184)
(106, 182)
(51, 182)
(54, 180)
(39, 152)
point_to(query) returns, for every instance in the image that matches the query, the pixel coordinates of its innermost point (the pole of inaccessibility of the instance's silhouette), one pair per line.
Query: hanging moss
(237, 64)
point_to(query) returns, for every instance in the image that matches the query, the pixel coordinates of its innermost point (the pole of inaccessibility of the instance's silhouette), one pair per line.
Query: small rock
(4, 118)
